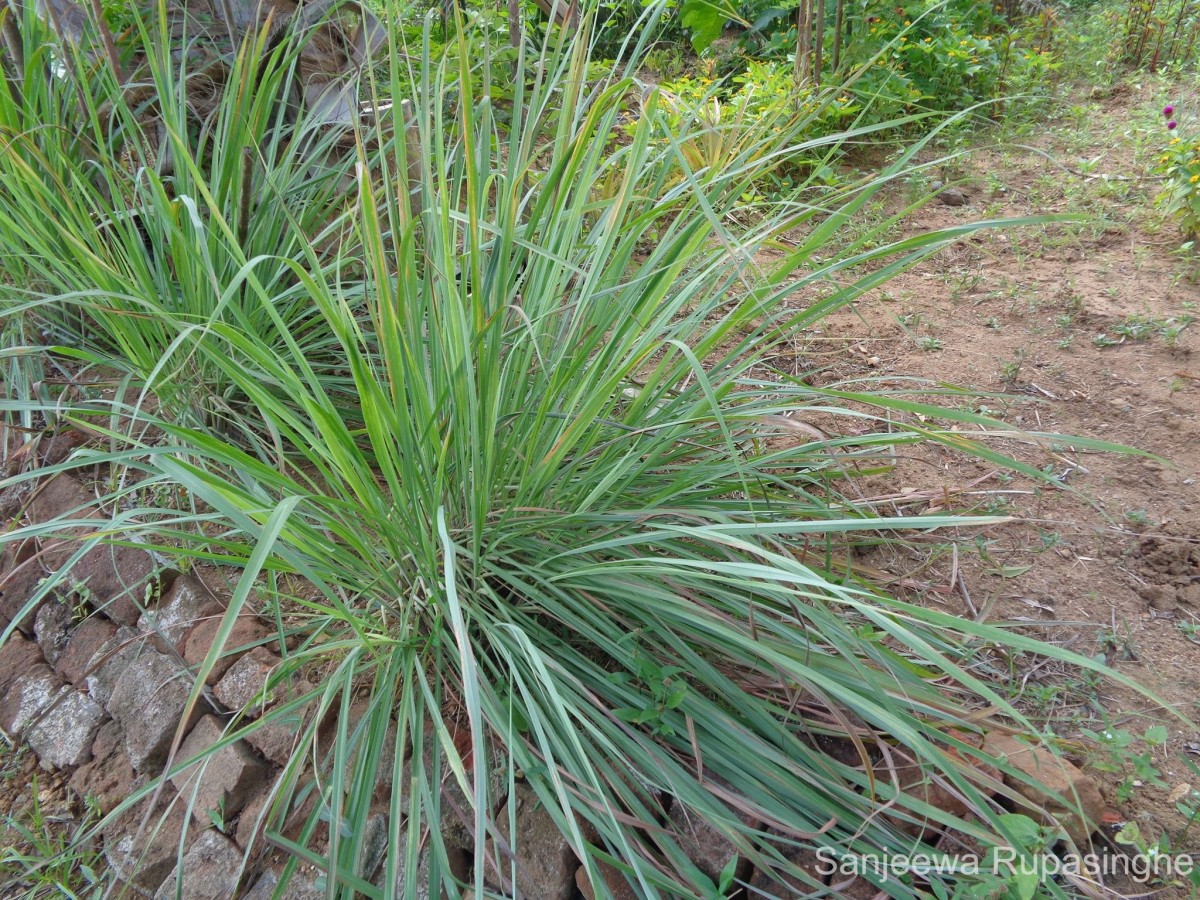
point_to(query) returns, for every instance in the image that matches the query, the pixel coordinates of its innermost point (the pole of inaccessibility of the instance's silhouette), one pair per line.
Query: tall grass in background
(559, 519)
(134, 209)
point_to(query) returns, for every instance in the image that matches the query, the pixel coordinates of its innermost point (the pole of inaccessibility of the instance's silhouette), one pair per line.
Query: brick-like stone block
(254, 815)
(929, 786)
(782, 883)
(459, 867)
(458, 811)
(223, 781)
(18, 656)
(246, 680)
(28, 697)
(17, 589)
(421, 877)
(355, 760)
(208, 870)
(14, 497)
(110, 662)
(187, 603)
(247, 632)
(295, 818)
(545, 862)
(704, 843)
(56, 446)
(57, 497)
(277, 740)
(1063, 792)
(16, 552)
(615, 883)
(301, 887)
(62, 737)
(60, 496)
(85, 641)
(148, 701)
(109, 778)
(119, 581)
(58, 722)
(374, 843)
(142, 862)
(52, 629)
(115, 579)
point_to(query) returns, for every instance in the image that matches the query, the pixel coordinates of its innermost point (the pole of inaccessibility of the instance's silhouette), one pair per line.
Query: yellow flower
(962, 43)
(927, 40)
(1194, 179)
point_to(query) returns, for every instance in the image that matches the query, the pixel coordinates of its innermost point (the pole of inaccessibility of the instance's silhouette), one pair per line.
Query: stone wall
(96, 679)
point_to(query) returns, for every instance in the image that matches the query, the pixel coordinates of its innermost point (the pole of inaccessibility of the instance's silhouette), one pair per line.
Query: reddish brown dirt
(1111, 566)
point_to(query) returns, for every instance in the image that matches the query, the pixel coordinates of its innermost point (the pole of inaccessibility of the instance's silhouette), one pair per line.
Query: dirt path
(1085, 328)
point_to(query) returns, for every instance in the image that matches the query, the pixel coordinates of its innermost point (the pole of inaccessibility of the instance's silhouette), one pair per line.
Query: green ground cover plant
(1179, 165)
(493, 382)
(891, 57)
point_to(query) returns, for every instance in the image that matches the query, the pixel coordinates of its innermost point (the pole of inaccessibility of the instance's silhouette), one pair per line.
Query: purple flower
(1167, 110)
(1171, 125)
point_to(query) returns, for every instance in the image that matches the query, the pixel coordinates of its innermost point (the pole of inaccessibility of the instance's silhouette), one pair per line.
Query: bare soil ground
(1081, 328)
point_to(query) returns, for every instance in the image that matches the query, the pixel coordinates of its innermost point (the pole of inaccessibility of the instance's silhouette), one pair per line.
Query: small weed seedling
(1149, 853)
(1189, 630)
(667, 690)
(1119, 755)
(1138, 517)
(1187, 802)
(1115, 645)
(1010, 370)
(1141, 327)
